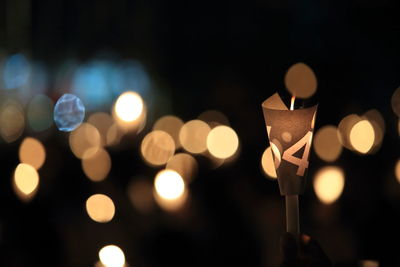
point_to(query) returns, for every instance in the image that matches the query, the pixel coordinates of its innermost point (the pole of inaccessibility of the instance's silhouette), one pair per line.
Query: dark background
(222, 55)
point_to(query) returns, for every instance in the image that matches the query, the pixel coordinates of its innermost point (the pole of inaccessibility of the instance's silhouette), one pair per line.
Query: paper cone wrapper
(290, 135)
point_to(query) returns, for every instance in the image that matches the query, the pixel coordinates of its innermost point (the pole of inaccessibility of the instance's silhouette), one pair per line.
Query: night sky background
(201, 55)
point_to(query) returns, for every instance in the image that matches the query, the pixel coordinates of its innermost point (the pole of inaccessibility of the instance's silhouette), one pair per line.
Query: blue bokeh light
(69, 112)
(99, 82)
(92, 84)
(135, 78)
(16, 71)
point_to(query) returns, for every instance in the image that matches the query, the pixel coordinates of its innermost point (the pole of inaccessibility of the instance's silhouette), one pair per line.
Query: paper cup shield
(290, 134)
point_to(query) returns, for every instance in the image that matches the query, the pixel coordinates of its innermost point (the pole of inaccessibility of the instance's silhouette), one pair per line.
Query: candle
(290, 135)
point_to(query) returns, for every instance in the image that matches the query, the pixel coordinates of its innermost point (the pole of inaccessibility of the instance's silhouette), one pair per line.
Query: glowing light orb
(344, 128)
(157, 148)
(397, 170)
(171, 125)
(398, 127)
(169, 184)
(100, 208)
(193, 136)
(97, 164)
(171, 205)
(93, 82)
(395, 101)
(267, 163)
(222, 142)
(85, 137)
(32, 152)
(184, 164)
(378, 123)
(369, 263)
(69, 112)
(103, 122)
(214, 118)
(12, 121)
(114, 135)
(129, 106)
(327, 144)
(362, 136)
(300, 80)
(16, 71)
(112, 256)
(329, 184)
(26, 179)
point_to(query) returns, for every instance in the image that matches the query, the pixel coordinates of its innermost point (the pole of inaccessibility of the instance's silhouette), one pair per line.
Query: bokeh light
(378, 123)
(157, 148)
(26, 181)
(112, 256)
(114, 135)
(103, 122)
(300, 81)
(395, 101)
(16, 71)
(369, 263)
(130, 112)
(328, 184)
(32, 152)
(86, 136)
(129, 106)
(170, 191)
(40, 113)
(12, 121)
(171, 125)
(140, 193)
(193, 136)
(169, 184)
(344, 128)
(171, 205)
(326, 143)
(398, 127)
(96, 164)
(222, 142)
(92, 81)
(267, 163)
(276, 149)
(362, 136)
(397, 170)
(214, 118)
(184, 164)
(69, 112)
(100, 208)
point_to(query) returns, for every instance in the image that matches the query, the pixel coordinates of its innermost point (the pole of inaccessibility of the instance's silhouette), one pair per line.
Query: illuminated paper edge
(274, 102)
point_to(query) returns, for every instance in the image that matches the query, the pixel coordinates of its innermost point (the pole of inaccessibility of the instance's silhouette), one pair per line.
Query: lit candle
(290, 135)
(292, 102)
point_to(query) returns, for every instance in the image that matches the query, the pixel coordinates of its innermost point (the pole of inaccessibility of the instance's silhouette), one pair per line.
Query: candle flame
(292, 103)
